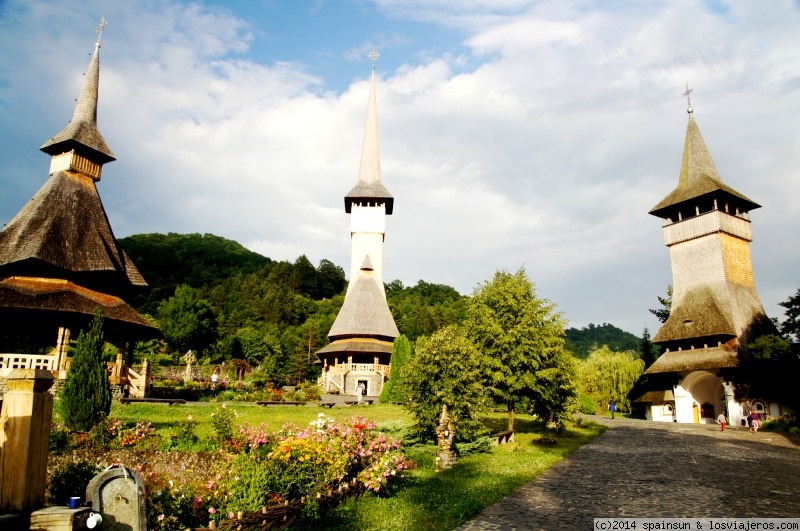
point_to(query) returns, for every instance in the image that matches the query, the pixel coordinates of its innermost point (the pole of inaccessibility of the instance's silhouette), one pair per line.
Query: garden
(237, 465)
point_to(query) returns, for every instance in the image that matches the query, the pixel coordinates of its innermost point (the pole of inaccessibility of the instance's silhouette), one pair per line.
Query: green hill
(167, 260)
(580, 342)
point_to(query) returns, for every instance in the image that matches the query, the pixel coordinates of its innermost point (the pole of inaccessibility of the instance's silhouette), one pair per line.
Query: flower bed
(296, 470)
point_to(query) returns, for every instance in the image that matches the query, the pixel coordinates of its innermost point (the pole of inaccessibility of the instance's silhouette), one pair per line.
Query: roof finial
(373, 56)
(100, 28)
(688, 95)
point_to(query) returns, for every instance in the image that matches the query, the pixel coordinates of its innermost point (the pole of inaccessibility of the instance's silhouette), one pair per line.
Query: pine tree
(86, 395)
(646, 352)
(395, 389)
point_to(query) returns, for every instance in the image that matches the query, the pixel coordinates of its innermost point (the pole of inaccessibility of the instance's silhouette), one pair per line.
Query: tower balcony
(707, 223)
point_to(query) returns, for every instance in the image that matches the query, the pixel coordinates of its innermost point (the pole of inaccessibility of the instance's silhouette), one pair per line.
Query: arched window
(668, 410)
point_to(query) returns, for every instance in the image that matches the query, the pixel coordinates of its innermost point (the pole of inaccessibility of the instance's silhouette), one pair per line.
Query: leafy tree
(791, 326)
(647, 352)
(666, 304)
(331, 279)
(187, 321)
(395, 390)
(522, 340)
(446, 369)
(85, 399)
(606, 374)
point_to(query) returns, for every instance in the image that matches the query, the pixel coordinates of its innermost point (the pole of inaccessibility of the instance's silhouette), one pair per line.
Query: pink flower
(160, 517)
(211, 510)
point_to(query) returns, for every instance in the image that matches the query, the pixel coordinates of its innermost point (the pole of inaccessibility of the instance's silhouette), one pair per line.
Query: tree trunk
(510, 418)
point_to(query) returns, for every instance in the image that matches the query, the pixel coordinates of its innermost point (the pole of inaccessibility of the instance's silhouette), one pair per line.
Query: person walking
(722, 421)
(612, 406)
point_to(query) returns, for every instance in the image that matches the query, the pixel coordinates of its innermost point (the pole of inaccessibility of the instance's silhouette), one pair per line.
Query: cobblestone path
(651, 469)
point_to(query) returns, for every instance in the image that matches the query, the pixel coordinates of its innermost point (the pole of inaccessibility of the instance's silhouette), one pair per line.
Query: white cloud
(548, 153)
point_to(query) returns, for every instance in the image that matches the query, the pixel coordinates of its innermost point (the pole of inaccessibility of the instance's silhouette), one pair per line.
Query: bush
(586, 405)
(70, 480)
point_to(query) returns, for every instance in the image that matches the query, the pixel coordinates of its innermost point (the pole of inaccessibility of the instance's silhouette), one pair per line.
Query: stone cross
(189, 358)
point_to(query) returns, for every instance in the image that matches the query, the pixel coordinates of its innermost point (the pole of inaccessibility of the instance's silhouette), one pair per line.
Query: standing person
(755, 422)
(612, 406)
(360, 391)
(747, 409)
(722, 421)
(214, 379)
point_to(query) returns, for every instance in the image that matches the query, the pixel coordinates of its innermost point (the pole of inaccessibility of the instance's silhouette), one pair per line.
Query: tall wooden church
(716, 310)
(362, 336)
(59, 259)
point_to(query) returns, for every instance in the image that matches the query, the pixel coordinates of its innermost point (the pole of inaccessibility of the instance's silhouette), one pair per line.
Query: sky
(514, 133)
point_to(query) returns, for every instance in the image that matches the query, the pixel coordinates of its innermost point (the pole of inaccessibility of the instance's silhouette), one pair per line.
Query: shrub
(70, 480)
(586, 405)
(85, 398)
(222, 422)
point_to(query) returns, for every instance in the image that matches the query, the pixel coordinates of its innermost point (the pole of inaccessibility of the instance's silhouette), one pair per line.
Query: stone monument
(445, 456)
(118, 495)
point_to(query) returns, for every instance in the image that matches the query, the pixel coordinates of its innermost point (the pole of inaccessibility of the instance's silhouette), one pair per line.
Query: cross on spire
(100, 28)
(373, 56)
(688, 95)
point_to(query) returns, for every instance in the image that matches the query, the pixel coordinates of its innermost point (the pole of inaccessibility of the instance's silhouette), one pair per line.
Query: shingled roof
(82, 134)
(370, 186)
(64, 303)
(364, 313)
(63, 232)
(696, 359)
(699, 176)
(697, 314)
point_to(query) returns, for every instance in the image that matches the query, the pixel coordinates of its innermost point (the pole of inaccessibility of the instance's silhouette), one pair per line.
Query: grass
(425, 500)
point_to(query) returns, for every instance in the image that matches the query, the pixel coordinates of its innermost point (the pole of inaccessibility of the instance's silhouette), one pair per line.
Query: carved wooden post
(24, 439)
(62, 343)
(145, 380)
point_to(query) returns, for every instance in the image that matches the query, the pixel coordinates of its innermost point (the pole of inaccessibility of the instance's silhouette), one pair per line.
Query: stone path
(640, 469)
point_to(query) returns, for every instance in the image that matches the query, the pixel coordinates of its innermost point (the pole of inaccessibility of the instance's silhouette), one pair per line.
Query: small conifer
(85, 398)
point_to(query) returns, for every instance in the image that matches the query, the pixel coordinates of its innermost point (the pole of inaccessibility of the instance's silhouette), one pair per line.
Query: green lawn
(425, 500)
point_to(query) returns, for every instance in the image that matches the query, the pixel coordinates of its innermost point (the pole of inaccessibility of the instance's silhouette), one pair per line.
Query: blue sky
(513, 132)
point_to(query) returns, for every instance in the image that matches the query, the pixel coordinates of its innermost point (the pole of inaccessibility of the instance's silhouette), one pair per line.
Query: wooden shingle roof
(62, 303)
(63, 232)
(695, 315)
(370, 187)
(696, 359)
(699, 176)
(82, 134)
(364, 313)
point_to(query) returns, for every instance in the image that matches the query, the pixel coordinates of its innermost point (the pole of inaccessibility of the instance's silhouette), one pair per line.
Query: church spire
(82, 134)
(370, 186)
(699, 176)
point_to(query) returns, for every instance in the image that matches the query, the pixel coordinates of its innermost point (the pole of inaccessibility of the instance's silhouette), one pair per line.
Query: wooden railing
(119, 372)
(9, 362)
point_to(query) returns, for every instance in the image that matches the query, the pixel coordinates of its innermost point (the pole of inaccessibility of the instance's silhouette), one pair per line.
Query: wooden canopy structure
(59, 259)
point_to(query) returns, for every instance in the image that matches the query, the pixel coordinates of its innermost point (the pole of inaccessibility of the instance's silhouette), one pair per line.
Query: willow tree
(605, 374)
(521, 337)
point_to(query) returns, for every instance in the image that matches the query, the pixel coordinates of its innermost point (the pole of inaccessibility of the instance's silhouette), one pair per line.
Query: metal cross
(373, 56)
(688, 95)
(100, 28)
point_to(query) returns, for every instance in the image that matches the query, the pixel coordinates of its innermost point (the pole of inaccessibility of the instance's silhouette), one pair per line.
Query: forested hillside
(580, 342)
(223, 301)
(214, 296)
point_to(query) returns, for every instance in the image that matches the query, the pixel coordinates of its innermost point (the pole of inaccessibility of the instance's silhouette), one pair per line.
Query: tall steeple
(715, 309)
(81, 135)
(358, 357)
(708, 231)
(369, 201)
(63, 232)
